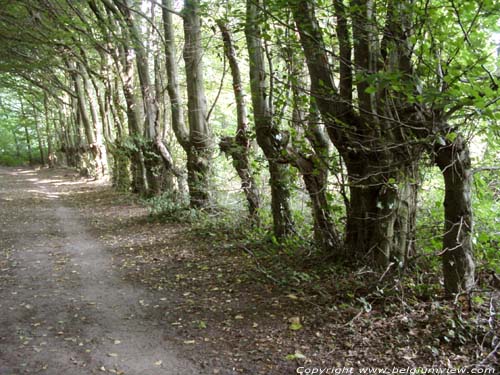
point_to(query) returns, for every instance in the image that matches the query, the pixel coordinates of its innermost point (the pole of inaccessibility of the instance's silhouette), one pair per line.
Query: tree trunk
(28, 140)
(139, 179)
(92, 160)
(176, 108)
(28, 144)
(374, 146)
(268, 135)
(97, 147)
(200, 138)
(309, 152)
(453, 159)
(66, 145)
(120, 171)
(155, 150)
(50, 151)
(381, 213)
(39, 137)
(16, 141)
(313, 167)
(178, 123)
(238, 147)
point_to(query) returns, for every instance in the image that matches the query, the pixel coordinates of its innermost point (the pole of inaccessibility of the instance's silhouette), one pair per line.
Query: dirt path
(64, 308)
(90, 283)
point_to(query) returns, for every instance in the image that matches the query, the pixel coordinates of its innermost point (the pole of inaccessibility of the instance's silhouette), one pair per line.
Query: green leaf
(451, 136)
(371, 90)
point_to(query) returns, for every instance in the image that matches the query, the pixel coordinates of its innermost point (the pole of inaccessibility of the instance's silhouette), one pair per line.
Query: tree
(269, 137)
(238, 147)
(200, 137)
(370, 133)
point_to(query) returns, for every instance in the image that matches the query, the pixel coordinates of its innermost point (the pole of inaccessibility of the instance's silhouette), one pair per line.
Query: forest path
(64, 308)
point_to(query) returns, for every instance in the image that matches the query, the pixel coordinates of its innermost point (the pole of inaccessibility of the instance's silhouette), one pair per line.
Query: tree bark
(176, 108)
(139, 178)
(453, 160)
(381, 214)
(200, 137)
(178, 123)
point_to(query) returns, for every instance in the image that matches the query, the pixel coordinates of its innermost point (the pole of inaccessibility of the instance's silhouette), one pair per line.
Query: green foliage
(14, 125)
(486, 230)
(171, 207)
(487, 227)
(11, 160)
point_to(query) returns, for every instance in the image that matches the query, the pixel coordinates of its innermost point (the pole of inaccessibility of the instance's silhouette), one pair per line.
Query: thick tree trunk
(457, 256)
(238, 147)
(381, 213)
(121, 169)
(280, 200)
(81, 150)
(373, 144)
(66, 123)
(200, 138)
(268, 135)
(97, 147)
(94, 163)
(100, 119)
(139, 179)
(121, 158)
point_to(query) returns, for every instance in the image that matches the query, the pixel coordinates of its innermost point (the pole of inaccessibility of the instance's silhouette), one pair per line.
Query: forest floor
(89, 284)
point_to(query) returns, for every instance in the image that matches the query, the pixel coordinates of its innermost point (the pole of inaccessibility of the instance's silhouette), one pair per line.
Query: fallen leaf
(295, 324)
(296, 355)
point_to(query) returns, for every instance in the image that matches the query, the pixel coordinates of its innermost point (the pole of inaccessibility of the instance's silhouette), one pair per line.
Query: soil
(89, 284)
